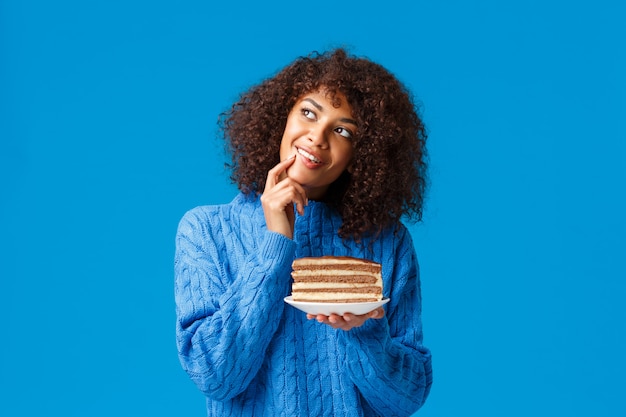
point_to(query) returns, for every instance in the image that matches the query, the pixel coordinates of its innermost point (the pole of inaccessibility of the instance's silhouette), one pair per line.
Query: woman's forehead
(334, 96)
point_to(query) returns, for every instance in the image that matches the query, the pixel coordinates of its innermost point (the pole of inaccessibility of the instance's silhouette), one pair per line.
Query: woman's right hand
(279, 196)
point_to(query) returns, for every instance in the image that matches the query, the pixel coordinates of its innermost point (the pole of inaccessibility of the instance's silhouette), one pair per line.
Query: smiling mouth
(308, 156)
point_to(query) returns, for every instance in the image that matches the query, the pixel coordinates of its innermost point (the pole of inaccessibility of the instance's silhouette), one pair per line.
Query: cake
(336, 279)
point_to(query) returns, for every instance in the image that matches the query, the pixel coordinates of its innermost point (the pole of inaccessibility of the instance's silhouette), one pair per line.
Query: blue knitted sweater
(253, 355)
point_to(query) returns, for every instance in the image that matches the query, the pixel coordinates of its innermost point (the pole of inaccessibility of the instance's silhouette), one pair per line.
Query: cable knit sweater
(253, 355)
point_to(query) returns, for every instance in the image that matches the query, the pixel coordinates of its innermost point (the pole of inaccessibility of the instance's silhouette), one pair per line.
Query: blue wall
(108, 135)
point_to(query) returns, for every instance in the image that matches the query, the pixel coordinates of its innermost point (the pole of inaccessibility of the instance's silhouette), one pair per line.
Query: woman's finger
(285, 193)
(347, 321)
(379, 313)
(276, 174)
(279, 187)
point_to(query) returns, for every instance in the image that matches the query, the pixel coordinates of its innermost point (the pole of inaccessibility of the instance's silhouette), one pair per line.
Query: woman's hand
(347, 321)
(279, 196)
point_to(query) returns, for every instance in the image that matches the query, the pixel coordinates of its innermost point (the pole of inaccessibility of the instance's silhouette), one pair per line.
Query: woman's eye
(344, 132)
(308, 113)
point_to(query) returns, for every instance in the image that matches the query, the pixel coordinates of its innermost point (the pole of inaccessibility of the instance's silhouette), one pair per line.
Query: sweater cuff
(277, 249)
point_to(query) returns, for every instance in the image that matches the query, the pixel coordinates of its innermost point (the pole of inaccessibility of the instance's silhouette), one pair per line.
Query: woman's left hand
(348, 320)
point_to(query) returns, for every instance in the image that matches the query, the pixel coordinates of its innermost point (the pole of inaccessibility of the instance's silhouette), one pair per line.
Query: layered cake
(333, 279)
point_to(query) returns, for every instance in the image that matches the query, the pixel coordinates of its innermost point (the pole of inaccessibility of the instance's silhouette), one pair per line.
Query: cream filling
(332, 272)
(332, 261)
(316, 285)
(336, 296)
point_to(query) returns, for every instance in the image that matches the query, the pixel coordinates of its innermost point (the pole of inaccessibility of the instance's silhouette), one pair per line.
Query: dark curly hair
(387, 179)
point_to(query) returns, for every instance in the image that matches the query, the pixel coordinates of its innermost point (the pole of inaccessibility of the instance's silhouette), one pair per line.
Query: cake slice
(336, 279)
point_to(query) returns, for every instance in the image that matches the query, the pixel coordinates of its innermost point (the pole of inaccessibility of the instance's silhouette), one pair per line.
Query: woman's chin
(297, 175)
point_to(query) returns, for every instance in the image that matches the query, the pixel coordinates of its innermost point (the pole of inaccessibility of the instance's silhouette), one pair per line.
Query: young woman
(329, 155)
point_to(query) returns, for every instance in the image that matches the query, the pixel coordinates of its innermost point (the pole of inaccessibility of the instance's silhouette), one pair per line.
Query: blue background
(108, 135)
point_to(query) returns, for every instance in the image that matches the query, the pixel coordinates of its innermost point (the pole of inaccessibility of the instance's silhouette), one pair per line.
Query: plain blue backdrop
(108, 135)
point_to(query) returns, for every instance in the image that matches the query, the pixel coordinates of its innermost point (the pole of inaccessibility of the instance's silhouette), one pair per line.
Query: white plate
(335, 308)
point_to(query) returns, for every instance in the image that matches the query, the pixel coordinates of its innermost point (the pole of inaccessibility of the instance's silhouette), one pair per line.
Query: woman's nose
(317, 136)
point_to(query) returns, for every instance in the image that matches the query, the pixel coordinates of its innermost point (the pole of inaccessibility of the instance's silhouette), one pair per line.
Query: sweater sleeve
(385, 358)
(225, 324)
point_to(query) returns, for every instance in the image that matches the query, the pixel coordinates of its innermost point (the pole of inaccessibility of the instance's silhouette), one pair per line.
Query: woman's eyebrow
(320, 108)
(314, 103)
(351, 121)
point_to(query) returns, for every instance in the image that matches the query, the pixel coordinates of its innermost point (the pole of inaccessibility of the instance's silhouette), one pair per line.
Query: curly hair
(387, 179)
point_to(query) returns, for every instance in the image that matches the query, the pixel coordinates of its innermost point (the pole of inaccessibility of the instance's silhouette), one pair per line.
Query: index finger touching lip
(273, 176)
(283, 165)
(287, 162)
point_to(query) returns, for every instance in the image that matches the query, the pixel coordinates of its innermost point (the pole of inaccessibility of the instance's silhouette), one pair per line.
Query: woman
(329, 154)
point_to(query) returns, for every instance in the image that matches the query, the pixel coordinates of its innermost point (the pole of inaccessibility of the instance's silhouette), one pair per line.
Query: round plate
(335, 308)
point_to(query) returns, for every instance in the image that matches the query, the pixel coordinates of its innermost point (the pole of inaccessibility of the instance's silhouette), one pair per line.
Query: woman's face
(320, 135)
